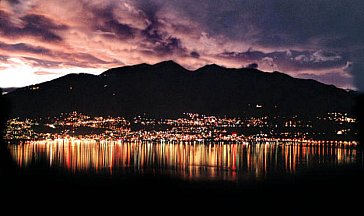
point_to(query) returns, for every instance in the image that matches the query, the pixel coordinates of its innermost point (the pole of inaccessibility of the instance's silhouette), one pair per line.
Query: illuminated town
(190, 127)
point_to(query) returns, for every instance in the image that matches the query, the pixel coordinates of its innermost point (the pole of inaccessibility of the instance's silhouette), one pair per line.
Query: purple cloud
(23, 48)
(33, 25)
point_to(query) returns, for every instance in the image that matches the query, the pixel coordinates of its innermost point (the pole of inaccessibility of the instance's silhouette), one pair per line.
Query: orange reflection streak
(188, 160)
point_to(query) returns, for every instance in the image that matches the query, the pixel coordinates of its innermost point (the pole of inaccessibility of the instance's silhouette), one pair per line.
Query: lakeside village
(190, 127)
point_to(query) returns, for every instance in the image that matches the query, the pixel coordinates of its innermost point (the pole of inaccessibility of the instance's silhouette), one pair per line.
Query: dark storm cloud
(33, 25)
(280, 22)
(42, 27)
(252, 66)
(105, 22)
(356, 68)
(150, 8)
(334, 23)
(195, 54)
(14, 1)
(121, 30)
(152, 34)
(22, 47)
(168, 46)
(156, 39)
(357, 71)
(161, 42)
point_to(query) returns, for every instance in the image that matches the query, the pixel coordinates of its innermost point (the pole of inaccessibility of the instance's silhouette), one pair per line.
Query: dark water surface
(110, 176)
(232, 162)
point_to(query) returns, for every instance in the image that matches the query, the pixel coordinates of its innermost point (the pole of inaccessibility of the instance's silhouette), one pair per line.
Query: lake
(194, 161)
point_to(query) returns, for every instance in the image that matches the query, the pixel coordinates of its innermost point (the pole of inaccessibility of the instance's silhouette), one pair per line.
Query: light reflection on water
(191, 161)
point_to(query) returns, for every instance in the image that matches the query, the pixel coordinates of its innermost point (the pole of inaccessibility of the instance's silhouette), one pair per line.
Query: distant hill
(167, 89)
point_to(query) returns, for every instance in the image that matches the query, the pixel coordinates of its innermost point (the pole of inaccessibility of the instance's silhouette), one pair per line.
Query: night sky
(44, 39)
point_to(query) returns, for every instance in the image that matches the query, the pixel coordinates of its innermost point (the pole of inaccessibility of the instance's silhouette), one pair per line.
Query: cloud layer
(42, 40)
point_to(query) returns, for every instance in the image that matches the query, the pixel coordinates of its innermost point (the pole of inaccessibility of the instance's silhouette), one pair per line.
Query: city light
(189, 127)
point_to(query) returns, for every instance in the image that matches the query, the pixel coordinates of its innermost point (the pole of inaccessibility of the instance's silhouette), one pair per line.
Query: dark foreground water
(194, 161)
(260, 178)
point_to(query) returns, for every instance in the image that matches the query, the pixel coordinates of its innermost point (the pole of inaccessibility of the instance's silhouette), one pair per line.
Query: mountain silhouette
(168, 89)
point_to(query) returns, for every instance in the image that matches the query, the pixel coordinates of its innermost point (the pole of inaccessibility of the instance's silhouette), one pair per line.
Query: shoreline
(161, 141)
